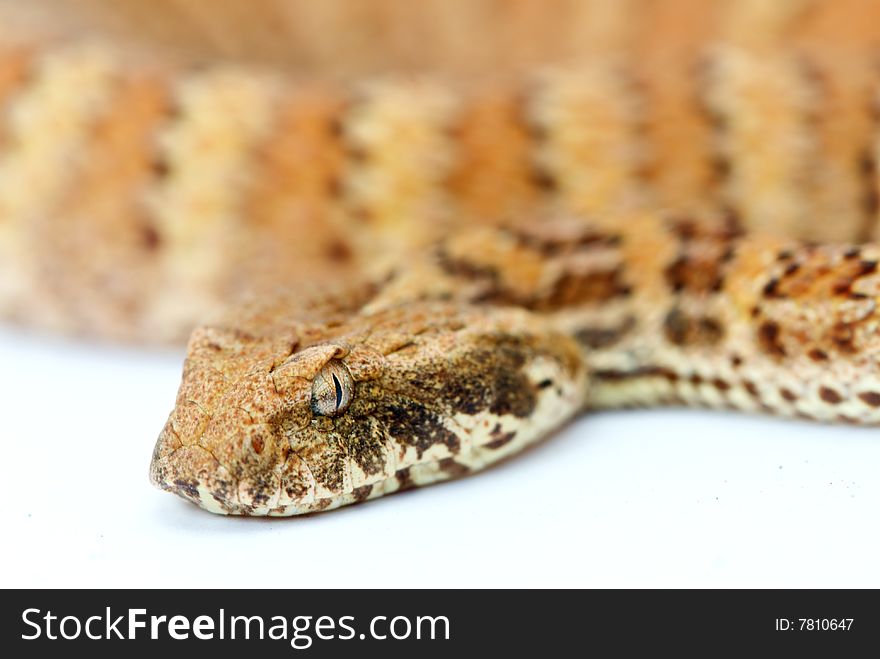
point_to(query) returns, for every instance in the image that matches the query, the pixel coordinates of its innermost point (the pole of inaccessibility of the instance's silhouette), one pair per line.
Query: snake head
(311, 416)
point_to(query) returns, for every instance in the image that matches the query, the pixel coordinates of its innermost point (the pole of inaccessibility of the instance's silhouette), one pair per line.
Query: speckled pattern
(404, 277)
(182, 188)
(494, 337)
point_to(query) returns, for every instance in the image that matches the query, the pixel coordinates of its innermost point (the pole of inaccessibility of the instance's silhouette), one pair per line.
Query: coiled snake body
(417, 277)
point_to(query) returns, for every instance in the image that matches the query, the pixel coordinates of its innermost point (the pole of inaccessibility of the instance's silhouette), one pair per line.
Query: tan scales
(403, 274)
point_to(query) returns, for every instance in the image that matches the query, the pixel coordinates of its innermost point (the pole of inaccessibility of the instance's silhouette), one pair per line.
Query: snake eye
(332, 389)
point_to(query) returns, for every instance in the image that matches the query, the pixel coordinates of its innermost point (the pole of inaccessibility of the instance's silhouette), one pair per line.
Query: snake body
(409, 278)
(496, 337)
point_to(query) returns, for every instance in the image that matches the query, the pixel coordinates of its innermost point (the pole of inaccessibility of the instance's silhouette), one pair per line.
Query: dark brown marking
(720, 385)
(684, 228)
(188, 487)
(788, 394)
(683, 330)
(160, 167)
(750, 387)
(330, 468)
(842, 336)
(488, 377)
(323, 504)
(830, 395)
(870, 198)
(404, 479)
(500, 440)
(710, 330)
(841, 287)
(362, 493)
(613, 375)
(769, 290)
(339, 252)
(687, 274)
(544, 180)
(721, 166)
(768, 339)
(573, 289)
(675, 326)
(553, 245)
(258, 443)
(413, 424)
(460, 267)
(866, 268)
(871, 398)
(603, 337)
(452, 468)
(362, 441)
(150, 238)
(818, 355)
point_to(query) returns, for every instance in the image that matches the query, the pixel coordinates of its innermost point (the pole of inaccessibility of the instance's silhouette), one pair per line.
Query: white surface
(654, 498)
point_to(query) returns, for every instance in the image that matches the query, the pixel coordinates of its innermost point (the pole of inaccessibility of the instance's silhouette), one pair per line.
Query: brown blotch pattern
(501, 439)
(818, 355)
(572, 289)
(404, 479)
(452, 468)
(682, 330)
(614, 375)
(768, 336)
(720, 385)
(788, 395)
(549, 244)
(829, 395)
(362, 493)
(842, 335)
(490, 377)
(413, 424)
(815, 276)
(694, 275)
(604, 337)
(751, 388)
(543, 179)
(871, 398)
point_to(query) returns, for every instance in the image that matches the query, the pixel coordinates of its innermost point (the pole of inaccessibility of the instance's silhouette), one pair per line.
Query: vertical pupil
(338, 387)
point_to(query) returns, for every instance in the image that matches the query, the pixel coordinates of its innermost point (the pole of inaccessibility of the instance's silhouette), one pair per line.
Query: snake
(398, 279)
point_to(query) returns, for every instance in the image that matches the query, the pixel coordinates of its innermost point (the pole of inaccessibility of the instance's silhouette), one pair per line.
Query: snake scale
(396, 280)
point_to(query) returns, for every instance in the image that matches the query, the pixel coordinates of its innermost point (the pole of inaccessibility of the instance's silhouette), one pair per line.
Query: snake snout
(225, 462)
(191, 472)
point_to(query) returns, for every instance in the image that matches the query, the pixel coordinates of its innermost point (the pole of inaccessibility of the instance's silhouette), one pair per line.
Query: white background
(653, 498)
